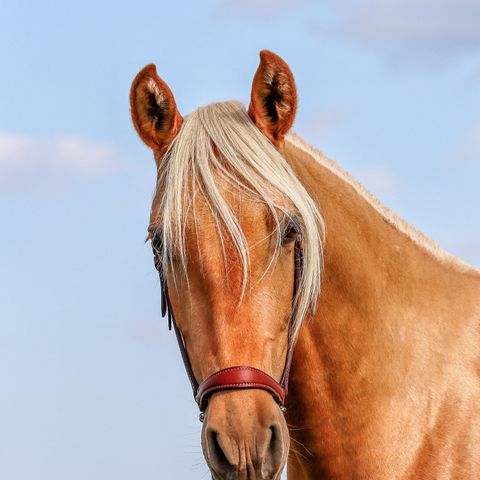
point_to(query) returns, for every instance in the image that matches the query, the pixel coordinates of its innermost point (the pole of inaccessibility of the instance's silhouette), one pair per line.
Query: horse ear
(274, 97)
(153, 109)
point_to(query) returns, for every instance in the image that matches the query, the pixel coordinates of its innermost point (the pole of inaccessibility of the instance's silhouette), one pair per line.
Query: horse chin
(245, 436)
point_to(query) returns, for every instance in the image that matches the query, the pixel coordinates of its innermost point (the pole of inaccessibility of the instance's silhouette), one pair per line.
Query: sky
(92, 384)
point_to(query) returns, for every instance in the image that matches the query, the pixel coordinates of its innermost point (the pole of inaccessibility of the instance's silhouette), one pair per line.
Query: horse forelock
(218, 146)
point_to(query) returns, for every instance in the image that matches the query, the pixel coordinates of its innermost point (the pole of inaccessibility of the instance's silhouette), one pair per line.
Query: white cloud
(412, 29)
(24, 156)
(468, 152)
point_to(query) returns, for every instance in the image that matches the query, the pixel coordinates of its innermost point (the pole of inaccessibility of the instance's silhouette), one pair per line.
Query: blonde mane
(219, 143)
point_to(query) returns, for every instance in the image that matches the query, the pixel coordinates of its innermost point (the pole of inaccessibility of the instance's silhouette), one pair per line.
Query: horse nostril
(274, 430)
(275, 449)
(217, 457)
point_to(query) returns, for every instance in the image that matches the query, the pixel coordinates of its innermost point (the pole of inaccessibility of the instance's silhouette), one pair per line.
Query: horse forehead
(250, 213)
(205, 229)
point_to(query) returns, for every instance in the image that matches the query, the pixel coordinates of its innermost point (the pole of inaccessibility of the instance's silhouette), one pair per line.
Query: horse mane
(219, 143)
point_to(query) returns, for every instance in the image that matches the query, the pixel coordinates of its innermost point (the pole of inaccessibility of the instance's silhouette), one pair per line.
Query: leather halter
(242, 376)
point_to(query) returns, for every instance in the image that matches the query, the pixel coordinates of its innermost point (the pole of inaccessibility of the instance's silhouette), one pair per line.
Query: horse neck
(384, 341)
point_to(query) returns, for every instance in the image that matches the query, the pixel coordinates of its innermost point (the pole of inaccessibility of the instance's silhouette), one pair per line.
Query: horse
(281, 272)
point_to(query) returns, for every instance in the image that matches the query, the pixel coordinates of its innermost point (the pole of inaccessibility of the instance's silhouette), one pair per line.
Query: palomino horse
(247, 223)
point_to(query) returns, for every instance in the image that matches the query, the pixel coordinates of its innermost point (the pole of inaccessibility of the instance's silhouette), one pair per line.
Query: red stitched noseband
(239, 377)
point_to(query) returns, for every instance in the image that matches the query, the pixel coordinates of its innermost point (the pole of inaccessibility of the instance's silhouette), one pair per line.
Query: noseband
(242, 376)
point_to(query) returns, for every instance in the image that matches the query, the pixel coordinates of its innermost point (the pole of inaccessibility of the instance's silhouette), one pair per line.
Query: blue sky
(389, 88)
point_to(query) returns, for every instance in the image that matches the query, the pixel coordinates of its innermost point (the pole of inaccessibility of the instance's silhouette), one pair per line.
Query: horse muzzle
(245, 436)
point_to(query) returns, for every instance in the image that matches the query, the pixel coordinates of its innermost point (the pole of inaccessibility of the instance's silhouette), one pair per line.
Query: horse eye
(157, 242)
(291, 231)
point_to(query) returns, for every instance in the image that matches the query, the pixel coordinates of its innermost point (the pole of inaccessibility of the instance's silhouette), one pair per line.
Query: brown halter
(239, 377)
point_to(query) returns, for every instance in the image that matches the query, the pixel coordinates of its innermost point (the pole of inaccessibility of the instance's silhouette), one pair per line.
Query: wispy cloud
(468, 151)
(24, 157)
(412, 30)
